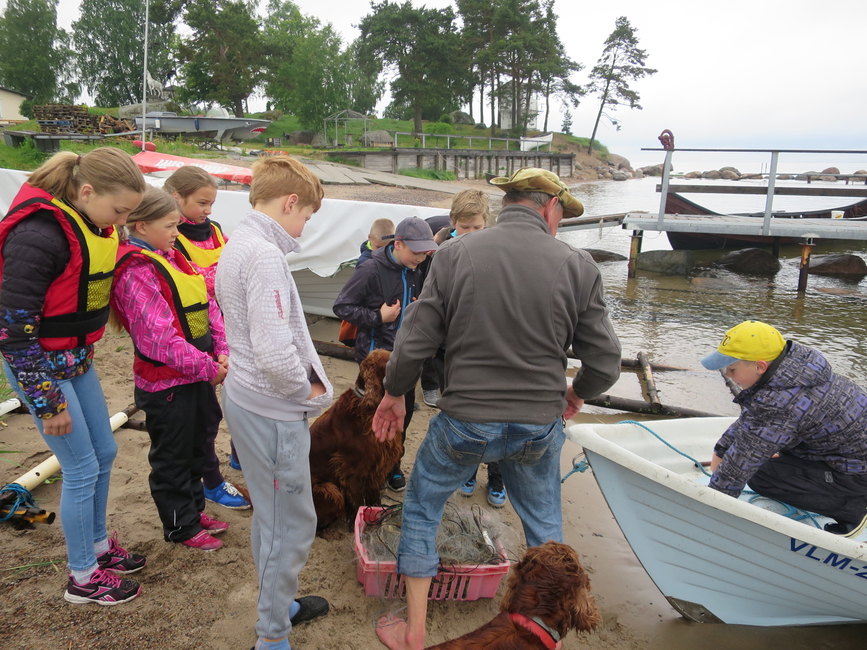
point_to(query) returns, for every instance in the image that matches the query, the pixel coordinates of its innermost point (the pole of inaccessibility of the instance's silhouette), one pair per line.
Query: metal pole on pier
(769, 202)
(666, 175)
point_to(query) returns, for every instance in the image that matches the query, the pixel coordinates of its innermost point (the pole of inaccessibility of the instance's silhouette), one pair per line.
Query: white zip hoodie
(272, 360)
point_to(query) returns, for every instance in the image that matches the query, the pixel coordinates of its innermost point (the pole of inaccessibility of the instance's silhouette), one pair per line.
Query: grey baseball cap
(416, 234)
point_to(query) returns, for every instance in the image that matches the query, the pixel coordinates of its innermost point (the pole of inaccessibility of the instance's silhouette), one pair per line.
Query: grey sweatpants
(275, 457)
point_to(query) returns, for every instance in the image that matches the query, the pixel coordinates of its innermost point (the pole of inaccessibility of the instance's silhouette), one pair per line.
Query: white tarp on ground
(331, 237)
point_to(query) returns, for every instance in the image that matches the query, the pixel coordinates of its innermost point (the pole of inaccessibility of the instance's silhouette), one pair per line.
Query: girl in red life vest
(57, 248)
(201, 241)
(180, 354)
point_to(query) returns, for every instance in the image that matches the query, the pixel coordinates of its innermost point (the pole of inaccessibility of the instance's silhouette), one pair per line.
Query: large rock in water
(604, 256)
(838, 264)
(666, 262)
(754, 261)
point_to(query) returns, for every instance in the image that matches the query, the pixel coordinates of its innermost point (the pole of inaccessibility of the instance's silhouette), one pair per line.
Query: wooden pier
(768, 226)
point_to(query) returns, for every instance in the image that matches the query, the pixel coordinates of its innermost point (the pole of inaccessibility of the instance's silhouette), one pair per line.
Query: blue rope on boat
(23, 499)
(667, 444)
(581, 466)
(792, 512)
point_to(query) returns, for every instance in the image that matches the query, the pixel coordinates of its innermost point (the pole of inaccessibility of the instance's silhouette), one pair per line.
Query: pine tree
(621, 61)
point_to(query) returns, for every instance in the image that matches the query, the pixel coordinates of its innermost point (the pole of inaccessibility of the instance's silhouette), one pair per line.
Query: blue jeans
(529, 457)
(86, 455)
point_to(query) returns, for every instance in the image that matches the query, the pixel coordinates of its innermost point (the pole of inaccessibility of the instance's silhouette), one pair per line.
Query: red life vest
(76, 304)
(185, 292)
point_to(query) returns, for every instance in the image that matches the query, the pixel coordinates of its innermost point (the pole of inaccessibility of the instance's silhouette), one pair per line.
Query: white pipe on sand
(50, 466)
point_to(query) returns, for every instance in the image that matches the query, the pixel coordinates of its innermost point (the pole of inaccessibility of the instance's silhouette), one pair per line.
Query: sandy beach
(194, 600)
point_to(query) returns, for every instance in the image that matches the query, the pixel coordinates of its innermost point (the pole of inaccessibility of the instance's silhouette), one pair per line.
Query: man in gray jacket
(513, 299)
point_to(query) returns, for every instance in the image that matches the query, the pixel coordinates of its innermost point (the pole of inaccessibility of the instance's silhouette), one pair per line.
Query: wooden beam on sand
(637, 406)
(339, 351)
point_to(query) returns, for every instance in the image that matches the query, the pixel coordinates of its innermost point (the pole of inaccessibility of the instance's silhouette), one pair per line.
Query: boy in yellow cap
(801, 437)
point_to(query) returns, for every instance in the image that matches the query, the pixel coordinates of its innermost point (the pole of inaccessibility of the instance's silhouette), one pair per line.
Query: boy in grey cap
(377, 295)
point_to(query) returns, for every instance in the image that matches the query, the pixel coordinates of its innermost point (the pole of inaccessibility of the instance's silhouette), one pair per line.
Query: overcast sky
(761, 74)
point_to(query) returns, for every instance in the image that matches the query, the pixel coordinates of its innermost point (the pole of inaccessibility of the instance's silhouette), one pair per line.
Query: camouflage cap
(533, 179)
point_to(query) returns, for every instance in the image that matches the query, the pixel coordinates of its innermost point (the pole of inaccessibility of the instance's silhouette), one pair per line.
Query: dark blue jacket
(801, 406)
(364, 253)
(363, 294)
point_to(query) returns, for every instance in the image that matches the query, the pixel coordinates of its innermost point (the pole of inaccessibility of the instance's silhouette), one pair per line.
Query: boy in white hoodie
(275, 382)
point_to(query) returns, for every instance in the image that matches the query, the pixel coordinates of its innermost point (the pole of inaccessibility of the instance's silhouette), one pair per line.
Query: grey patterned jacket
(801, 406)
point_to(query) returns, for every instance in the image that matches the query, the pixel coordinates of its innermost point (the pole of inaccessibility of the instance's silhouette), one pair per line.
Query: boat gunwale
(587, 437)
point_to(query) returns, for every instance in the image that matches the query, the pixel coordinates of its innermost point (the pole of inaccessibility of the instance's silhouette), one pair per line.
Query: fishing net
(468, 535)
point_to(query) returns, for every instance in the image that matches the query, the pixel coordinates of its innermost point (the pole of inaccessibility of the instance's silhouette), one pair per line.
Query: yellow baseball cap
(533, 179)
(752, 340)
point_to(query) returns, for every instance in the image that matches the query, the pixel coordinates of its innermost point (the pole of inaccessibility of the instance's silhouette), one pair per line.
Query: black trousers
(814, 486)
(211, 474)
(177, 422)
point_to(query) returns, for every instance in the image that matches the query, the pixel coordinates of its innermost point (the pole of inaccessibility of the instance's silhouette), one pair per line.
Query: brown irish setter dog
(347, 463)
(548, 585)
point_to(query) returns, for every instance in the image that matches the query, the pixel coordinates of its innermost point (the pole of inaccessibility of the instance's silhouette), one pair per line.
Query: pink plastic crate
(458, 583)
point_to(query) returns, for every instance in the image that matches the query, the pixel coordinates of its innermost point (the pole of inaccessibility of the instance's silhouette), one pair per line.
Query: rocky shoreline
(828, 175)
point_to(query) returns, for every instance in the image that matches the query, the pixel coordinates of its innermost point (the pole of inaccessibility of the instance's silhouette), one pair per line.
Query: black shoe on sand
(311, 607)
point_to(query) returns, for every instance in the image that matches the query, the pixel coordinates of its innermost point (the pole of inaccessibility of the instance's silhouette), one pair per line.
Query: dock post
(806, 249)
(634, 250)
(775, 251)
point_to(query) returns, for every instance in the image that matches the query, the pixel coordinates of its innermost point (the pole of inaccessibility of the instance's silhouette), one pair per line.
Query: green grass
(466, 137)
(429, 174)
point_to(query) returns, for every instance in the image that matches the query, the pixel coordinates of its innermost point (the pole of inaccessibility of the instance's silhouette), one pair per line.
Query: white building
(10, 103)
(506, 112)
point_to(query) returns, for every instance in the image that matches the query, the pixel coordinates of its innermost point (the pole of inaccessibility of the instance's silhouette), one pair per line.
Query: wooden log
(339, 351)
(637, 406)
(334, 350)
(647, 382)
(633, 364)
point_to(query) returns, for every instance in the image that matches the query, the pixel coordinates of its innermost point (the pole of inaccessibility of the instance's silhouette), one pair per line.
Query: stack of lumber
(65, 118)
(109, 124)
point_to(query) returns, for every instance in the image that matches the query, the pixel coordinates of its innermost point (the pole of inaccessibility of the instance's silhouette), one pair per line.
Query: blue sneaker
(227, 495)
(496, 494)
(234, 463)
(468, 488)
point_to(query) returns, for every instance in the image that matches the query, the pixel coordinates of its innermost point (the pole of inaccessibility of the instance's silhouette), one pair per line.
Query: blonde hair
(277, 176)
(155, 205)
(107, 170)
(468, 205)
(188, 180)
(379, 229)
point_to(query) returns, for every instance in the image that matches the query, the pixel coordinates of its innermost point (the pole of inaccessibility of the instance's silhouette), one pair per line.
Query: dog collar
(547, 636)
(358, 392)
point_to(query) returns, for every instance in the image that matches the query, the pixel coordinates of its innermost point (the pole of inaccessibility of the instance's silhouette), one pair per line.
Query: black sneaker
(311, 607)
(104, 588)
(119, 560)
(397, 481)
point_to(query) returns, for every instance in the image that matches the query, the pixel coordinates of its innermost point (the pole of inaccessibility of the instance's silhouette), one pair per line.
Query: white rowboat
(715, 558)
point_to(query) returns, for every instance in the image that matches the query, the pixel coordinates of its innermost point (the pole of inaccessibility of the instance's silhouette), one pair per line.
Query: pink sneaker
(203, 541)
(213, 526)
